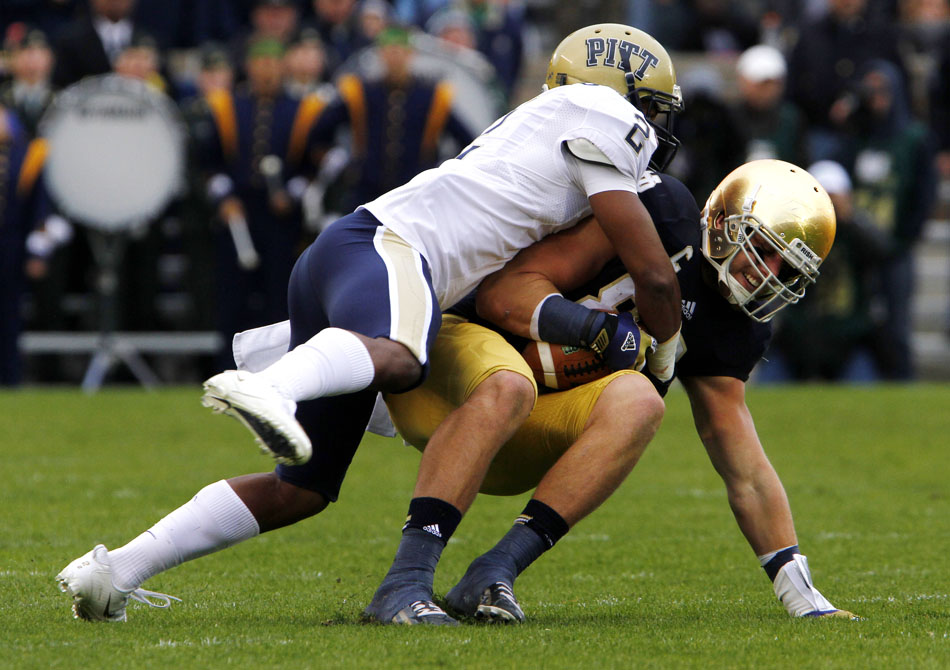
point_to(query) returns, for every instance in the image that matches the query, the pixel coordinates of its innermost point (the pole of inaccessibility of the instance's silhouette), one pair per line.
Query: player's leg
(220, 515)
(591, 437)
(479, 401)
(362, 313)
(224, 513)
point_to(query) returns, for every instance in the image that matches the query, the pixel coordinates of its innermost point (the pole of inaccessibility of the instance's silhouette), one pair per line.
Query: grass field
(657, 578)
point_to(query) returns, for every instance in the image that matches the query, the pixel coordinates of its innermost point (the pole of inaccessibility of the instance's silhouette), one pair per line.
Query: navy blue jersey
(719, 340)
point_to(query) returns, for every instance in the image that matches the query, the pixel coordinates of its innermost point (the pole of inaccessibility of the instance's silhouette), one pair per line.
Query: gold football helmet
(633, 64)
(760, 209)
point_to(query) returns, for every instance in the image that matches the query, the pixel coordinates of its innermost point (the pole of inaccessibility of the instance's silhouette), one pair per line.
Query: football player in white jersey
(365, 304)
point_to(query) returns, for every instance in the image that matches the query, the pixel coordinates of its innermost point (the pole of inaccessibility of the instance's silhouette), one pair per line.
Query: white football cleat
(88, 580)
(793, 586)
(263, 411)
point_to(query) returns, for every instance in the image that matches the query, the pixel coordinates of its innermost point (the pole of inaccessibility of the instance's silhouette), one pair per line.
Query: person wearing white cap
(770, 126)
(834, 334)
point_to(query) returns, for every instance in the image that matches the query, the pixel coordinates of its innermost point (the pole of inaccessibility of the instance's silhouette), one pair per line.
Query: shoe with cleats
(88, 580)
(263, 411)
(495, 603)
(424, 612)
(498, 604)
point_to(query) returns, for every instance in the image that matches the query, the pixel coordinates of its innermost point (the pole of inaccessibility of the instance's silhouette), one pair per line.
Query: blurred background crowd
(296, 111)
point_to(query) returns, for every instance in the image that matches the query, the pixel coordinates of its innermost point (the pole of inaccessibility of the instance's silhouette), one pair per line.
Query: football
(563, 367)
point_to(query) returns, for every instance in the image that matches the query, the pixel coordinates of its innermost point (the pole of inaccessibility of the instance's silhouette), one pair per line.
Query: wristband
(663, 358)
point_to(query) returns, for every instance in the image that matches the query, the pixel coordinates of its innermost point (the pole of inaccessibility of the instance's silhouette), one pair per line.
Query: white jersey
(516, 183)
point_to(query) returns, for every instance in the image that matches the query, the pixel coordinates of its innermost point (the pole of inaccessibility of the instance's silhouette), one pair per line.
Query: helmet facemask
(659, 108)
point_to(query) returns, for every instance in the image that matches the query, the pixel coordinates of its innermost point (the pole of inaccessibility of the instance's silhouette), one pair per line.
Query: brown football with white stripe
(561, 367)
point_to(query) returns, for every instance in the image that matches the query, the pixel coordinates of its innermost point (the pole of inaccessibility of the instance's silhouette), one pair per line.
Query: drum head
(116, 152)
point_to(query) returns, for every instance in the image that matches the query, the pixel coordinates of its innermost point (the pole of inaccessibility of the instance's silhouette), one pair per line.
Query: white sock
(332, 362)
(216, 518)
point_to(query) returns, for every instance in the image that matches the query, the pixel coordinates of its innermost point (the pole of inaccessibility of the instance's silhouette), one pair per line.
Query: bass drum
(116, 152)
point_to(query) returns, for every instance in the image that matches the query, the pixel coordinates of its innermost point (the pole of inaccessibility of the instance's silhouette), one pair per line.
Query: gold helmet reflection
(632, 63)
(762, 207)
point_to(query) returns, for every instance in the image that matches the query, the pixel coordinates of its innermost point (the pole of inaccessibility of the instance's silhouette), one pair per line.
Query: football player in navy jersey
(754, 249)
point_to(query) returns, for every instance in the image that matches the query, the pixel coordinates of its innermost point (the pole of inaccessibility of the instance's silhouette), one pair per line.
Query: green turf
(657, 578)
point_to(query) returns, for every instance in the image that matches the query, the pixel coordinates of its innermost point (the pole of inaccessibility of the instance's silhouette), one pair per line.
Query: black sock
(544, 521)
(781, 558)
(434, 516)
(535, 531)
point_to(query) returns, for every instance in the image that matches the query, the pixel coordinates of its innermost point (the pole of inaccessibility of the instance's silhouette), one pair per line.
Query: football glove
(620, 342)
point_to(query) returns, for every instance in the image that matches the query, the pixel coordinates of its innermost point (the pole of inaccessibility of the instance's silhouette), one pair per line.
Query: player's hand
(231, 208)
(620, 342)
(661, 361)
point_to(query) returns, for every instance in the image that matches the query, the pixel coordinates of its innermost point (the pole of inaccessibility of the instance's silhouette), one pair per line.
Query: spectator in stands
(924, 32)
(91, 44)
(710, 143)
(277, 20)
(305, 65)
(336, 22)
(455, 27)
(29, 91)
(396, 121)
(373, 17)
(418, 12)
(500, 27)
(217, 71)
(835, 333)
(891, 159)
(939, 107)
(142, 60)
(49, 16)
(22, 204)
(458, 39)
(259, 153)
(140, 282)
(829, 53)
(717, 27)
(770, 125)
(215, 80)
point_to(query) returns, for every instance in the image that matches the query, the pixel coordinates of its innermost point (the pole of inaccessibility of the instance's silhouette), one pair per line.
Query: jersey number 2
(631, 138)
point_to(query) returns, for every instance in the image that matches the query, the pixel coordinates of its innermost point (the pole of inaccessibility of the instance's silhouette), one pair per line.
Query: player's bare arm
(559, 262)
(756, 495)
(627, 224)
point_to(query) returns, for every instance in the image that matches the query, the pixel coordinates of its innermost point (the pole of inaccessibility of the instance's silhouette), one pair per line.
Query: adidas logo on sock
(433, 528)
